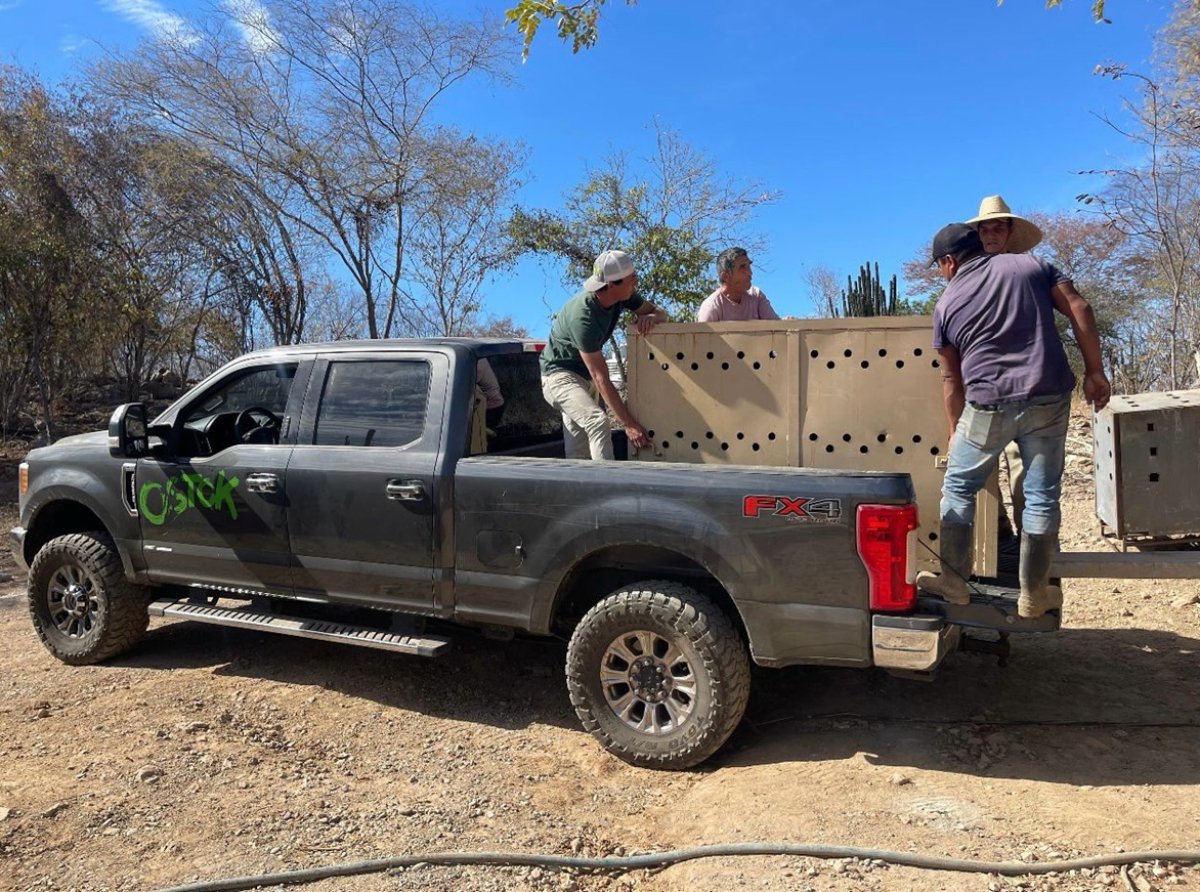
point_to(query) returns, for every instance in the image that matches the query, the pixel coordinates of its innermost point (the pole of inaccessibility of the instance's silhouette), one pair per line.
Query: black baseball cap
(955, 239)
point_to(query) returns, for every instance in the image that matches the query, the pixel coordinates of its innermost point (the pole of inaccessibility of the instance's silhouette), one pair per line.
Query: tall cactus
(866, 297)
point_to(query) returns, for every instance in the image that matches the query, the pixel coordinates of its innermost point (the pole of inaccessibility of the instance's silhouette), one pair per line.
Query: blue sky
(877, 121)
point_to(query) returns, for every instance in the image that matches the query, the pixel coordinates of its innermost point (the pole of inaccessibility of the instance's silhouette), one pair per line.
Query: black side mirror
(127, 437)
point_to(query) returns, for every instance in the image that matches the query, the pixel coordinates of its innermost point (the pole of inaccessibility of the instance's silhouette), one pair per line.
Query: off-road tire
(700, 661)
(81, 604)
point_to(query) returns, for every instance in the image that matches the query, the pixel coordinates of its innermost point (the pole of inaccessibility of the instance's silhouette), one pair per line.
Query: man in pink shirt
(736, 300)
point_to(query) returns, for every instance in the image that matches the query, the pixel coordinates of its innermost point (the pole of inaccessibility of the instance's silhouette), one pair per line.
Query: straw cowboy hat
(1024, 234)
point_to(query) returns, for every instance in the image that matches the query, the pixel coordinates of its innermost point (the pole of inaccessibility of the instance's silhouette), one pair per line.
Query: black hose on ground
(625, 864)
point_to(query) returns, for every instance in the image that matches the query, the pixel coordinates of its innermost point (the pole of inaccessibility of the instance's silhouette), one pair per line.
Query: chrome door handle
(405, 490)
(262, 483)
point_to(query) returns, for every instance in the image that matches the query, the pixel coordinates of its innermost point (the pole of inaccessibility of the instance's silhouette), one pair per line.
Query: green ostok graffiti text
(158, 500)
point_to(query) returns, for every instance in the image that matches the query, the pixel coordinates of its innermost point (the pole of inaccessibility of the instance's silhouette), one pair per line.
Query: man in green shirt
(574, 372)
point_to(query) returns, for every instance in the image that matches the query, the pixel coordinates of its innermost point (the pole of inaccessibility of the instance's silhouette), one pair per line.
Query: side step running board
(322, 630)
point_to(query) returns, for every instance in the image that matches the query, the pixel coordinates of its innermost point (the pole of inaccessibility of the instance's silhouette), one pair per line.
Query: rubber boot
(1036, 597)
(955, 543)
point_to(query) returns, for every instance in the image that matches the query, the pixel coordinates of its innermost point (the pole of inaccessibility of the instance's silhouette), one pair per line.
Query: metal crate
(847, 394)
(1148, 466)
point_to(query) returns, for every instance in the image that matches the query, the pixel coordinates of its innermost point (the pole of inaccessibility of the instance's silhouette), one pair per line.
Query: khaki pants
(586, 430)
(1016, 482)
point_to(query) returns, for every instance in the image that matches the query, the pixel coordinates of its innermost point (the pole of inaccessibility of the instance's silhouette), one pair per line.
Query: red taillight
(883, 546)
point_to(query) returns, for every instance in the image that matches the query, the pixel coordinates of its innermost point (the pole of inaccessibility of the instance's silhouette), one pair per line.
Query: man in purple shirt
(736, 300)
(1003, 232)
(1005, 377)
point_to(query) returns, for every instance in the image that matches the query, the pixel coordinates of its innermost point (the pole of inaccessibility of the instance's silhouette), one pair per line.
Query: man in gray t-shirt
(1005, 377)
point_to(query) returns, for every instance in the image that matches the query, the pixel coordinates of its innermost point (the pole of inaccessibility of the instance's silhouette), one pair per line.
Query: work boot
(1037, 595)
(955, 543)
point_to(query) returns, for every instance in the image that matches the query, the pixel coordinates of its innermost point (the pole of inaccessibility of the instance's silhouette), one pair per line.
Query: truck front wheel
(658, 675)
(82, 606)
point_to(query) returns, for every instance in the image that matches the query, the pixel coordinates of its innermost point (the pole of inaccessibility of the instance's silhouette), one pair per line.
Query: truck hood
(91, 438)
(95, 440)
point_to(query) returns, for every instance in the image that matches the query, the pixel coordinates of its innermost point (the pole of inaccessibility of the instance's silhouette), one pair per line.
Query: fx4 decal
(797, 510)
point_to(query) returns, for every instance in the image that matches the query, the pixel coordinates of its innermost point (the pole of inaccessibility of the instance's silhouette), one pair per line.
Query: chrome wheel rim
(648, 682)
(71, 598)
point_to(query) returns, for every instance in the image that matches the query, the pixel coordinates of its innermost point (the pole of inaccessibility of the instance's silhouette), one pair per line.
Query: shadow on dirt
(503, 684)
(1085, 706)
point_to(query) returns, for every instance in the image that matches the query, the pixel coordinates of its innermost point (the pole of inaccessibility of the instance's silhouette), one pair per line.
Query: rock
(4, 813)
(149, 774)
(195, 727)
(56, 809)
(900, 780)
(1186, 601)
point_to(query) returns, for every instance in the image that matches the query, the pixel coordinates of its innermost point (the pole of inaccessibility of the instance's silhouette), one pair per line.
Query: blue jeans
(1039, 427)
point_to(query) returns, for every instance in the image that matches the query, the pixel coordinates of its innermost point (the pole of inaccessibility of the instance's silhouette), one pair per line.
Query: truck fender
(627, 519)
(74, 486)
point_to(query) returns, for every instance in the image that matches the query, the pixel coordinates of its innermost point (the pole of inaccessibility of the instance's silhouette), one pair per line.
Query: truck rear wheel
(657, 673)
(82, 606)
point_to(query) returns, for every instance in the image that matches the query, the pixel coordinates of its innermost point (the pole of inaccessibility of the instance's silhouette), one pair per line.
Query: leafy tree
(823, 291)
(110, 263)
(1097, 8)
(91, 262)
(494, 327)
(674, 214)
(1155, 204)
(923, 283)
(462, 238)
(319, 110)
(1105, 271)
(578, 22)
(45, 255)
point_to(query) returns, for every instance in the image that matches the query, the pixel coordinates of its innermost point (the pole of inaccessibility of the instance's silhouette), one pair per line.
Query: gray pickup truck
(349, 492)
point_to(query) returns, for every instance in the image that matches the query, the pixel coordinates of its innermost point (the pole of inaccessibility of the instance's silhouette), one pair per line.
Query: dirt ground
(211, 752)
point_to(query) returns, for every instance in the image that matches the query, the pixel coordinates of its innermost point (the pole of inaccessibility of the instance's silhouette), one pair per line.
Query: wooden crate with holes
(850, 394)
(1146, 468)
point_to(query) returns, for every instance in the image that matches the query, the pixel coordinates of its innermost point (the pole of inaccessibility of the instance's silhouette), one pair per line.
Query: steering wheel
(256, 425)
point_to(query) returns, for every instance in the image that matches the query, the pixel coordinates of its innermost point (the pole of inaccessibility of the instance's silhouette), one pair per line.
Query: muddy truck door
(210, 502)
(362, 484)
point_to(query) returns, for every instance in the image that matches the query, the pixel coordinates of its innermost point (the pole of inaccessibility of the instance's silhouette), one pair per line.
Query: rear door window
(373, 403)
